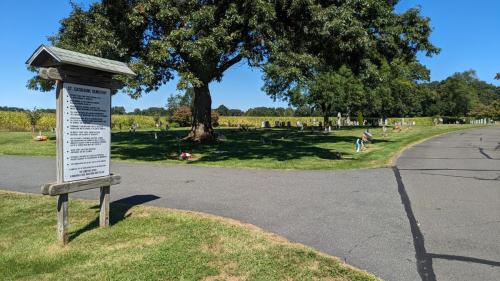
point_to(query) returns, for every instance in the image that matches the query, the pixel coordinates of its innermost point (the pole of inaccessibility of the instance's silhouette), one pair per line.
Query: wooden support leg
(104, 204)
(62, 219)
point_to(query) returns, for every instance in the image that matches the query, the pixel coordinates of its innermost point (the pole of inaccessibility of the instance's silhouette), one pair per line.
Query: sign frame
(63, 67)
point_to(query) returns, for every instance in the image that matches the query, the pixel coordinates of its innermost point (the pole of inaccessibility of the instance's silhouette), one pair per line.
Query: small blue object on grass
(359, 145)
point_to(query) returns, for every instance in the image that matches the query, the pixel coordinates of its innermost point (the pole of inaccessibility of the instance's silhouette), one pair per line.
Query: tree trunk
(326, 121)
(201, 130)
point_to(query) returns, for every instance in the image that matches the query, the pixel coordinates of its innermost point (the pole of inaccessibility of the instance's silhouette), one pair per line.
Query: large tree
(199, 40)
(196, 40)
(458, 94)
(367, 37)
(333, 92)
(393, 89)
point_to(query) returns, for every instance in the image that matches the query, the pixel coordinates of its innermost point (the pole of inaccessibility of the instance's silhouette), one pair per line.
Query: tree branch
(224, 66)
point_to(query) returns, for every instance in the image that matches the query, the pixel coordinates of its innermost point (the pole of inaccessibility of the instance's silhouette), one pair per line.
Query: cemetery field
(148, 243)
(261, 148)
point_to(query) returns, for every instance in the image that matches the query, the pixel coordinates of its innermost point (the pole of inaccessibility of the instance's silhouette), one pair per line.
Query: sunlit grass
(147, 243)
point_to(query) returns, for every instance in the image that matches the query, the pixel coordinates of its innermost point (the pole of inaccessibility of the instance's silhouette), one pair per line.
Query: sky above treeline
(468, 32)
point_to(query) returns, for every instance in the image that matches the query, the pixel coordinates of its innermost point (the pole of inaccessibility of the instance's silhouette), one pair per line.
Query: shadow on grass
(118, 212)
(275, 144)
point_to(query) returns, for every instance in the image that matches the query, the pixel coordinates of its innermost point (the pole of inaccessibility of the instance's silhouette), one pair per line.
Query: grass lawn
(270, 149)
(147, 243)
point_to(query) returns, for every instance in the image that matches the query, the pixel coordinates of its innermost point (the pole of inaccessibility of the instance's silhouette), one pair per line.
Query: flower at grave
(186, 156)
(41, 138)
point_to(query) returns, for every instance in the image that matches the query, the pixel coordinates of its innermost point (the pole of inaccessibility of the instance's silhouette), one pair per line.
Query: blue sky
(467, 31)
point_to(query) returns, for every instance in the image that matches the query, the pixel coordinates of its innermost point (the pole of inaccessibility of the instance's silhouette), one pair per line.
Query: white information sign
(86, 130)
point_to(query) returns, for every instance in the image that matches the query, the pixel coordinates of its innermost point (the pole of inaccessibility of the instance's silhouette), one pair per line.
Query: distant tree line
(461, 94)
(18, 109)
(152, 111)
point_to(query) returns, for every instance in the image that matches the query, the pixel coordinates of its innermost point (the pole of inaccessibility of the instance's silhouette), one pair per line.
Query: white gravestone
(86, 131)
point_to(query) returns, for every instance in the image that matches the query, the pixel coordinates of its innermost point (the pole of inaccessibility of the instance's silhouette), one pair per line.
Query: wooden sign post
(83, 126)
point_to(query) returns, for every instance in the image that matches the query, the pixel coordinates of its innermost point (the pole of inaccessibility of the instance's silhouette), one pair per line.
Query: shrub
(360, 118)
(33, 117)
(157, 120)
(215, 118)
(174, 125)
(130, 121)
(182, 116)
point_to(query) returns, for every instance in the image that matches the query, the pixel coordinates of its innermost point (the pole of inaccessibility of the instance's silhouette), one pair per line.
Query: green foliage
(333, 92)
(9, 108)
(360, 118)
(174, 102)
(154, 111)
(199, 40)
(269, 111)
(118, 110)
(34, 117)
(236, 112)
(174, 125)
(130, 121)
(157, 119)
(491, 110)
(126, 121)
(14, 121)
(394, 89)
(223, 110)
(305, 110)
(362, 36)
(215, 118)
(182, 116)
(458, 95)
(457, 98)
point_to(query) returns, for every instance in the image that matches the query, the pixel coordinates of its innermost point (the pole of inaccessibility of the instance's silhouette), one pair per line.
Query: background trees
(364, 42)
(118, 110)
(223, 110)
(460, 94)
(333, 92)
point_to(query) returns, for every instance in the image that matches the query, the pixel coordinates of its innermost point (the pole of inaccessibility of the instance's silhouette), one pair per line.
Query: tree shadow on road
(424, 259)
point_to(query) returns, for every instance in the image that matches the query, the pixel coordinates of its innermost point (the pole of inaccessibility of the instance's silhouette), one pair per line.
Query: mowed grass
(147, 243)
(262, 148)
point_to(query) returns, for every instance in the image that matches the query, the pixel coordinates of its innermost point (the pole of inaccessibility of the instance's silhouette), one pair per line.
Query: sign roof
(46, 56)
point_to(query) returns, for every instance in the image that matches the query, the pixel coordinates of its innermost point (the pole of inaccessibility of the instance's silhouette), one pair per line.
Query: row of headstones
(481, 121)
(288, 124)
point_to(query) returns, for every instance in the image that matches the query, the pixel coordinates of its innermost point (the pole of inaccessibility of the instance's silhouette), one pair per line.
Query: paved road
(451, 191)
(436, 216)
